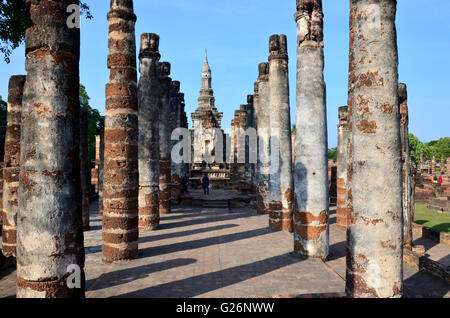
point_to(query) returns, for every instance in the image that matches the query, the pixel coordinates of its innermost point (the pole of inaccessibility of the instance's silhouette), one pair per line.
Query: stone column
(238, 147)
(175, 115)
(375, 230)
(101, 165)
(421, 163)
(263, 131)
(11, 168)
(84, 167)
(342, 171)
(149, 105)
(281, 184)
(49, 225)
(433, 166)
(442, 164)
(164, 140)
(406, 166)
(249, 123)
(311, 145)
(448, 167)
(120, 175)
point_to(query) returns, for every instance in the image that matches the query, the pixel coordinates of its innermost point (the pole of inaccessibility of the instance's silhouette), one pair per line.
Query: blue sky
(236, 34)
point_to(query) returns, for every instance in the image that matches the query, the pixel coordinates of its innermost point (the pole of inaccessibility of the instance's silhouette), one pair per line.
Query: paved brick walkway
(213, 252)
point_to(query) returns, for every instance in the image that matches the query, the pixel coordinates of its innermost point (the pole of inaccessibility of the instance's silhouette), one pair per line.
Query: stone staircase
(222, 204)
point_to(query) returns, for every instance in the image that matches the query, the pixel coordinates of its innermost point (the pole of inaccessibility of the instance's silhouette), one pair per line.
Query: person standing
(205, 183)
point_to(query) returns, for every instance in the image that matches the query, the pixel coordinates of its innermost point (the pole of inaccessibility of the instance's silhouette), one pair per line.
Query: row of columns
(432, 165)
(373, 199)
(49, 215)
(46, 203)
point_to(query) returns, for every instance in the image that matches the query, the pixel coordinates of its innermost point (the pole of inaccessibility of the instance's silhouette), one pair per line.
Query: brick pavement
(213, 252)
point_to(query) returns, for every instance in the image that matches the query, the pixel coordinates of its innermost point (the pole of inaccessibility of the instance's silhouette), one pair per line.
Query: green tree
(3, 106)
(440, 147)
(332, 154)
(14, 20)
(94, 119)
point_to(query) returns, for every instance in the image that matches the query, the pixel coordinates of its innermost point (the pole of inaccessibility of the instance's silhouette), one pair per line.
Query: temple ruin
(278, 205)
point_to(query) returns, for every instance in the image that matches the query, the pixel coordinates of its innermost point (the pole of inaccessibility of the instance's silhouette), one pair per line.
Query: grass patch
(432, 219)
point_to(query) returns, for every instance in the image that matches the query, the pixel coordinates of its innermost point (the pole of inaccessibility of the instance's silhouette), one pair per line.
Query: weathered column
(49, 225)
(433, 166)
(406, 166)
(11, 168)
(375, 230)
(342, 171)
(164, 140)
(120, 175)
(311, 145)
(263, 131)
(333, 184)
(249, 124)
(421, 163)
(148, 97)
(281, 184)
(442, 165)
(175, 114)
(238, 179)
(448, 167)
(184, 124)
(101, 165)
(84, 166)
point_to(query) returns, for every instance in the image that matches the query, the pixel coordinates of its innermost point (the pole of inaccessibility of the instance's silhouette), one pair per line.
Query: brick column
(433, 166)
(374, 234)
(406, 166)
(442, 164)
(101, 165)
(342, 158)
(11, 168)
(176, 99)
(311, 149)
(262, 112)
(84, 168)
(49, 226)
(281, 183)
(120, 175)
(164, 140)
(448, 167)
(421, 163)
(149, 106)
(249, 123)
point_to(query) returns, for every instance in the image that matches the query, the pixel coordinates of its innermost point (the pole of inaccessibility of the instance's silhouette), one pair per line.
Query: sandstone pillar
(448, 167)
(406, 166)
(333, 184)
(101, 165)
(262, 112)
(84, 167)
(164, 140)
(433, 166)
(249, 124)
(421, 163)
(342, 171)
(11, 168)
(49, 225)
(281, 184)
(374, 234)
(149, 104)
(176, 99)
(311, 148)
(120, 175)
